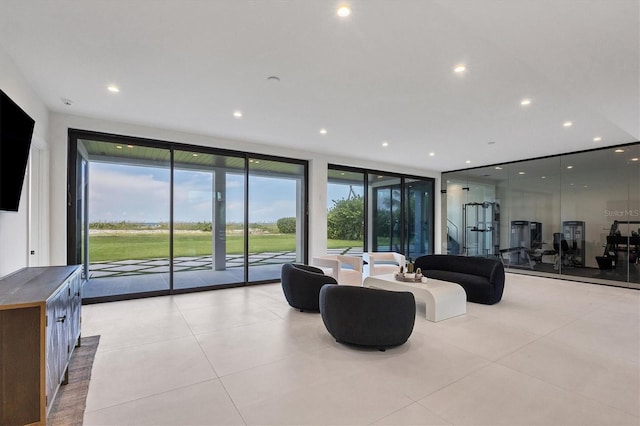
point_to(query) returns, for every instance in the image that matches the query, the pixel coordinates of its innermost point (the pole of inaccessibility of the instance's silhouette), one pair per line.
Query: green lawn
(124, 246)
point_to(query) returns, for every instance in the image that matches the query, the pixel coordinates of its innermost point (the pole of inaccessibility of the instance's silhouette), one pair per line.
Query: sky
(141, 194)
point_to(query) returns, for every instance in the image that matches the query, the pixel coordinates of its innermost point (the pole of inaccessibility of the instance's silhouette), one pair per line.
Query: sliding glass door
(418, 217)
(165, 218)
(345, 212)
(128, 242)
(277, 217)
(385, 214)
(208, 217)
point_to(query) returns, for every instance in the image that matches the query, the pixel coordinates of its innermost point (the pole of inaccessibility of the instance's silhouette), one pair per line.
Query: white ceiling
(385, 73)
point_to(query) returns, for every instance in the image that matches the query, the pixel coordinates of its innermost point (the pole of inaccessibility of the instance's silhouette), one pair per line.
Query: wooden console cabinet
(39, 328)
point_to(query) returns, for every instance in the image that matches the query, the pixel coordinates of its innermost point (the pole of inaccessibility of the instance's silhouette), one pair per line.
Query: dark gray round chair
(301, 285)
(366, 316)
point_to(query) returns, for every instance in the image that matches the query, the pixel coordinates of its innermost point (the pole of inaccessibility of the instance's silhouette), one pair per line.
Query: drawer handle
(61, 319)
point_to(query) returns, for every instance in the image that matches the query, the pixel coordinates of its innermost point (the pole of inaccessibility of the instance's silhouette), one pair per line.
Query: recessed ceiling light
(468, 161)
(521, 173)
(585, 186)
(619, 150)
(431, 154)
(571, 184)
(194, 155)
(323, 131)
(525, 101)
(634, 159)
(460, 68)
(118, 146)
(113, 88)
(273, 79)
(237, 114)
(129, 146)
(543, 177)
(344, 11)
(385, 143)
(569, 167)
(597, 139)
(567, 124)
(257, 162)
(498, 168)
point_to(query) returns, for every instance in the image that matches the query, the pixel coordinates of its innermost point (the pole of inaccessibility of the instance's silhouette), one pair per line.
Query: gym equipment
(525, 242)
(631, 246)
(573, 231)
(481, 223)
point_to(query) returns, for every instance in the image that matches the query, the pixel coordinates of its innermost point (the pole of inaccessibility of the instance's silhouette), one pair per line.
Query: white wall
(14, 226)
(61, 123)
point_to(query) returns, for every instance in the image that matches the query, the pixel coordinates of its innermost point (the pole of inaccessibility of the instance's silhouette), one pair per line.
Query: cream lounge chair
(380, 263)
(345, 269)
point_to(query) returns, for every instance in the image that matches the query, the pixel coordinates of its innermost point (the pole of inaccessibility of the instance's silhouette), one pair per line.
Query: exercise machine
(616, 242)
(573, 231)
(481, 224)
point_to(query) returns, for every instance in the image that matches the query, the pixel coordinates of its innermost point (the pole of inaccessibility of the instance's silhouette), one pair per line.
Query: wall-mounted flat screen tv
(16, 130)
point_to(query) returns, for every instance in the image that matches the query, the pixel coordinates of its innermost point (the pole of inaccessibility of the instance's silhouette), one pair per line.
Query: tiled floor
(551, 353)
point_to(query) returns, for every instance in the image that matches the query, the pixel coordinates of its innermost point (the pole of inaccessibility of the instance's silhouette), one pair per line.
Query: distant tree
(344, 219)
(286, 225)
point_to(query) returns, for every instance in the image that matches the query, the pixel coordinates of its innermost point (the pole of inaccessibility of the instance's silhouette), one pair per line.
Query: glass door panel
(276, 217)
(453, 200)
(418, 218)
(208, 216)
(385, 216)
(129, 217)
(600, 238)
(531, 222)
(345, 212)
(81, 220)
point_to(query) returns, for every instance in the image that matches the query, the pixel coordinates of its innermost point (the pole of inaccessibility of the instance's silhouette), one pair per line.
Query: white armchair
(345, 269)
(380, 263)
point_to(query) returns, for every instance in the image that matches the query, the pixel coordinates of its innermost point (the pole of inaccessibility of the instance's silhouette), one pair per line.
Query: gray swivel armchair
(301, 285)
(366, 316)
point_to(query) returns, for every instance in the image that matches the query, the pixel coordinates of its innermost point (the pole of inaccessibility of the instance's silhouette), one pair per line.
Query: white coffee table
(442, 299)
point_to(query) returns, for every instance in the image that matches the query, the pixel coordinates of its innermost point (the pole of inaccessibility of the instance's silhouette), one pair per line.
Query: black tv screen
(16, 130)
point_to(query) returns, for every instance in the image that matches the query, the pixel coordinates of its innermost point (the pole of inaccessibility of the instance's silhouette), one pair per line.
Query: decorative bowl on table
(408, 277)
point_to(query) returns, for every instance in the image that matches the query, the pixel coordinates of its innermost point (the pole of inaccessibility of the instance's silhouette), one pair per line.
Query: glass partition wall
(573, 216)
(151, 217)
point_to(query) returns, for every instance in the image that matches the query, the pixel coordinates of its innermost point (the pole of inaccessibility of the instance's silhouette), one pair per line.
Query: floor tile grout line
(570, 391)
(140, 398)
